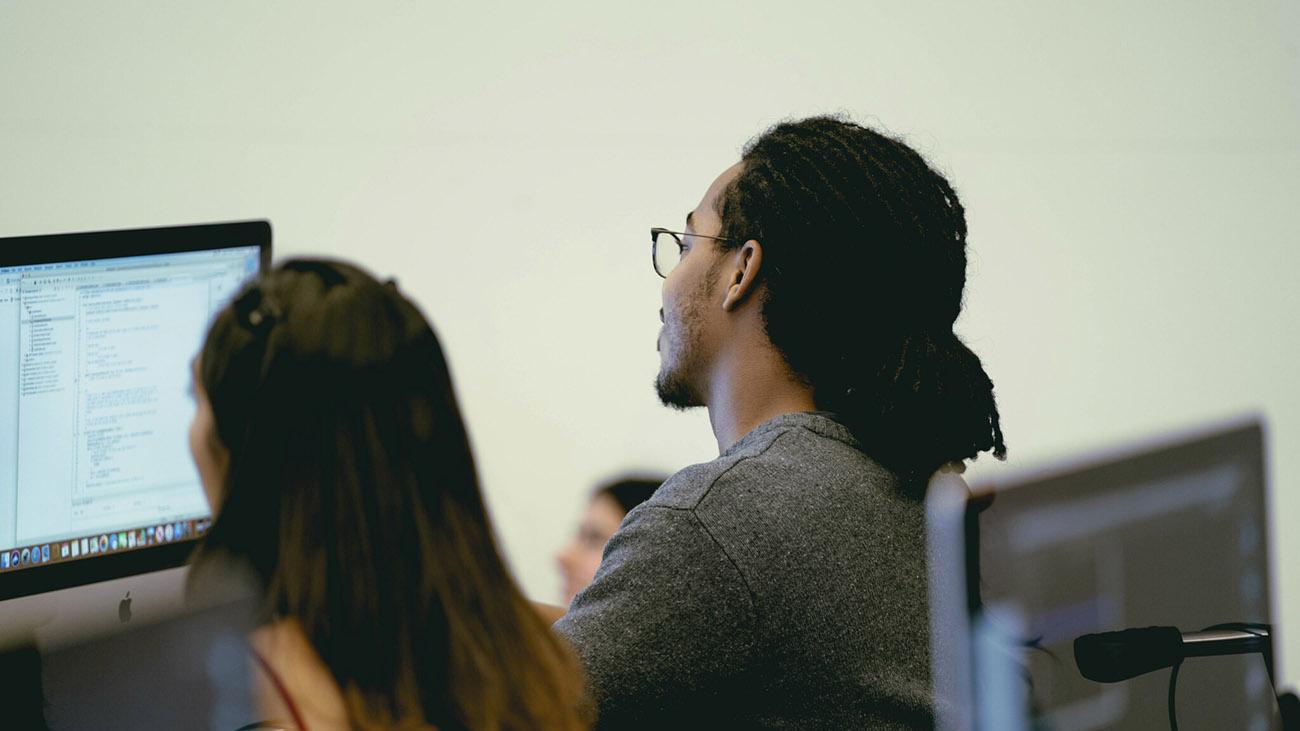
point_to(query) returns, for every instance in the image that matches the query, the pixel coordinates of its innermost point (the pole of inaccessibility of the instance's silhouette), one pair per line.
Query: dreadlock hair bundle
(864, 248)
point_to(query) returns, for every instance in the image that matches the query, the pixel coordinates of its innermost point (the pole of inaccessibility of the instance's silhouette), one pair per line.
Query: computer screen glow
(94, 400)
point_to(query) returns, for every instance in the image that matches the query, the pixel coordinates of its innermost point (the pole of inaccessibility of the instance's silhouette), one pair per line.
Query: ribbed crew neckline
(823, 423)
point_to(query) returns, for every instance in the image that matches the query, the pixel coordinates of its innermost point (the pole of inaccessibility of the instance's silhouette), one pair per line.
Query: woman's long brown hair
(352, 495)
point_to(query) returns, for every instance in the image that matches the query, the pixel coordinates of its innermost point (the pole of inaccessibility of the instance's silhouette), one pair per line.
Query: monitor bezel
(114, 244)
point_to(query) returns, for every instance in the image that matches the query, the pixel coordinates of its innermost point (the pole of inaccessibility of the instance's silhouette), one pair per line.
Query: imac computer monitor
(100, 503)
(1169, 533)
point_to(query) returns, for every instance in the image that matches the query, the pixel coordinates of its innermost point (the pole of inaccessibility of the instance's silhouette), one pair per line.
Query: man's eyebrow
(689, 216)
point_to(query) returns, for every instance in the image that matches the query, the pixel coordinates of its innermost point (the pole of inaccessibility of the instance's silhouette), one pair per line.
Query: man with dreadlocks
(809, 306)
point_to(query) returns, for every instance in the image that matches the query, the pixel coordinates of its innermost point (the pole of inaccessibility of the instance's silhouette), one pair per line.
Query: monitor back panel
(1170, 535)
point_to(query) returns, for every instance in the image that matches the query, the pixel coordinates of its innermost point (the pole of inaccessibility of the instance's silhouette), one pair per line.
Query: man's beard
(676, 391)
(678, 381)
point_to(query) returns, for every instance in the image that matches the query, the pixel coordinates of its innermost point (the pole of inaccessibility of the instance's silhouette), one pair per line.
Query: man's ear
(747, 262)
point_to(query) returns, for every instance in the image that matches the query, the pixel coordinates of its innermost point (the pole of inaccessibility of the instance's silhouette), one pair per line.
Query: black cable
(1173, 684)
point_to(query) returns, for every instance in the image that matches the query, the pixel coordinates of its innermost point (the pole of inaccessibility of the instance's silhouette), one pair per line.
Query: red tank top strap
(284, 693)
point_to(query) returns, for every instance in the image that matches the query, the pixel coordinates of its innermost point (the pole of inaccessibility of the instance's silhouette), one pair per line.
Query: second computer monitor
(1170, 533)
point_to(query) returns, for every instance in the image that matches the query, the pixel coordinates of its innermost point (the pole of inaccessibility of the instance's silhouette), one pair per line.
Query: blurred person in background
(609, 504)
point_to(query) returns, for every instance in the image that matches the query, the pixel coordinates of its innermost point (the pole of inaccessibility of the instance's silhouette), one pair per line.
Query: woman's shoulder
(291, 681)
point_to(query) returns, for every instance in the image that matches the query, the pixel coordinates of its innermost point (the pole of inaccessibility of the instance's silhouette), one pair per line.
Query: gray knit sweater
(781, 585)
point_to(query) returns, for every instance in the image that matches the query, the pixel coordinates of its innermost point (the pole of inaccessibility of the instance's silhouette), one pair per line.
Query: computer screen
(1172, 534)
(95, 402)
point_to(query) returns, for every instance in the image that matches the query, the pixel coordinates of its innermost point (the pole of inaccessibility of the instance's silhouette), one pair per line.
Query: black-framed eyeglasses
(666, 248)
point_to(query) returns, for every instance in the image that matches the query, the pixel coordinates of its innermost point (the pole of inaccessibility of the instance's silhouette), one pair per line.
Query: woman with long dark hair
(334, 456)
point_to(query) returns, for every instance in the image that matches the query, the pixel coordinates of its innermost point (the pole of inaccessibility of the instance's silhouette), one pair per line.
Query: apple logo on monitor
(124, 608)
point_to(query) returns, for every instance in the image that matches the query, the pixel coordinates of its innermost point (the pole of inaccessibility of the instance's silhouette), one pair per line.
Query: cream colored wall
(1130, 173)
